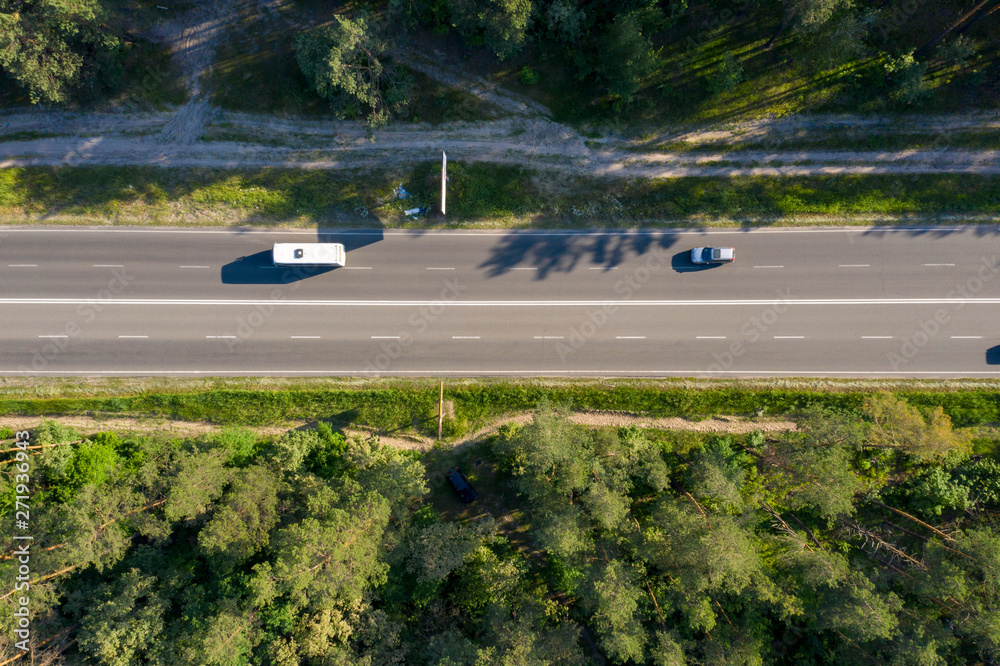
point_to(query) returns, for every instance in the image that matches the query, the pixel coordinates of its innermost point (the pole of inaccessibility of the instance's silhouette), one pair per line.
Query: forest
(588, 60)
(867, 534)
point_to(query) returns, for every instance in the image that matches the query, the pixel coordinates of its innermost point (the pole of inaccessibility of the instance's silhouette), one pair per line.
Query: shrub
(728, 74)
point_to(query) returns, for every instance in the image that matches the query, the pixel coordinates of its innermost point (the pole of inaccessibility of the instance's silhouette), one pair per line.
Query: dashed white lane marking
(548, 337)
(853, 265)
(220, 337)
(109, 265)
(602, 268)
(385, 337)
(768, 266)
(193, 267)
(710, 337)
(525, 268)
(465, 337)
(789, 337)
(876, 337)
(966, 337)
(939, 264)
(53, 336)
(630, 337)
(134, 336)
(22, 265)
(304, 337)
(358, 268)
(440, 268)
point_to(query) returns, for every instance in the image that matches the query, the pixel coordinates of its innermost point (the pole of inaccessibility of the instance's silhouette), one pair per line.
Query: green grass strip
(479, 193)
(405, 407)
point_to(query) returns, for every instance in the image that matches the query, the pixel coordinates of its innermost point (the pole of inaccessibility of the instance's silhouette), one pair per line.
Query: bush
(934, 491)
(983, 481)
(528, 76)
(728, 74)
(905, 75)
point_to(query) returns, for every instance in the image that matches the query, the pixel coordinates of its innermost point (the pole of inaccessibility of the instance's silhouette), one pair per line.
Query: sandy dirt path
(89, 425)
(118, 139)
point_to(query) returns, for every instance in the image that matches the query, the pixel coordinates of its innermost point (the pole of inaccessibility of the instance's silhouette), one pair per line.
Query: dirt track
(154, 139)
(723, 424)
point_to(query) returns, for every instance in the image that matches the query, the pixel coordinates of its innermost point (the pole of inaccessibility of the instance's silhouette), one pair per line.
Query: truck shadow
(259, 269)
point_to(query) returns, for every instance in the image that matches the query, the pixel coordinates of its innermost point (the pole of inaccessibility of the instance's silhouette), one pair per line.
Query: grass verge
(480, 194)
(392, 405)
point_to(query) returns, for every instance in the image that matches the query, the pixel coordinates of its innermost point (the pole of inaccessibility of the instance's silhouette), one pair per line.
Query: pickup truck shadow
(681, 263)
(259, 269)
(993, 355)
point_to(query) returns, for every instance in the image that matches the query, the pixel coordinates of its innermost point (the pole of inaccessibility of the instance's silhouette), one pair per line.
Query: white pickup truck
(308, 254)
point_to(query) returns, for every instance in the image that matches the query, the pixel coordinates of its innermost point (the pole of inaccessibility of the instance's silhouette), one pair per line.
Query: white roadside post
(444, 178)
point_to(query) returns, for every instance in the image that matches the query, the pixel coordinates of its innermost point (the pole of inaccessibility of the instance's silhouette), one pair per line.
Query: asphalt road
(799, 302)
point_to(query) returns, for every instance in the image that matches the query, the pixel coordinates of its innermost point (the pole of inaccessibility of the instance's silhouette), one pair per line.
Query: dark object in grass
(461, 485)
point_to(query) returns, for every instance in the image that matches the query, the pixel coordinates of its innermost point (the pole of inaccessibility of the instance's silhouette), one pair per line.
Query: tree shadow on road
(563, 252)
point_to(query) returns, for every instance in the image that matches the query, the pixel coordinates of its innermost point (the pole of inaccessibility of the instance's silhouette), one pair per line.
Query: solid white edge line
(446, 303)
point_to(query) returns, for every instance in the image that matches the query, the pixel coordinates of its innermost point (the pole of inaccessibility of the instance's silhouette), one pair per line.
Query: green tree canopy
(345, 64)
(501, 23)
(44, 44)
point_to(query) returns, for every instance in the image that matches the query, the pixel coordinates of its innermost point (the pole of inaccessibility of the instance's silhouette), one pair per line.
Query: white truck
(308, 254)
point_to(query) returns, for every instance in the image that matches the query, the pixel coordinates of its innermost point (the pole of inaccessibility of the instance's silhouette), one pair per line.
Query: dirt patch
(88, 425)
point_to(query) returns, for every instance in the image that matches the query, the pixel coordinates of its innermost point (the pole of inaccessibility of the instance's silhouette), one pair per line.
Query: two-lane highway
(838, 302)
